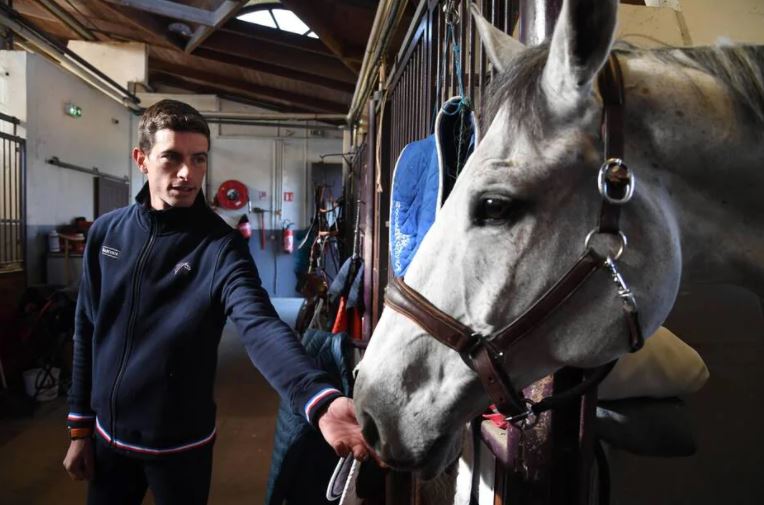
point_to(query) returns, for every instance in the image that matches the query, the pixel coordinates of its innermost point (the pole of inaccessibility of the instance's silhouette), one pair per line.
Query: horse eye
(494, 209)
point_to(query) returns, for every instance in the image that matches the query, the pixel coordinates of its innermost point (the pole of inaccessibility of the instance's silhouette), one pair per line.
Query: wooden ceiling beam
(154, 31)
(275, 70)
(171, 10)
(313, 15)
(247, 87)
(222, 14)
(275, 54)
(168, 79)
(196, 87)
(68, 20)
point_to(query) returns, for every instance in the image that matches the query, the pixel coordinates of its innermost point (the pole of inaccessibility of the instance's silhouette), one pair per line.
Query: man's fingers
(360, 453)
(341, 449)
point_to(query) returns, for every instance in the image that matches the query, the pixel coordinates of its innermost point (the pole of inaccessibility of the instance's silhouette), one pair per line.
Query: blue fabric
(424, 176)
(414, 200)
(302, 462)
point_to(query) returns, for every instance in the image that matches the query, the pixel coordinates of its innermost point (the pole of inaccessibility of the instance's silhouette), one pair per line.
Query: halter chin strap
(485, 352)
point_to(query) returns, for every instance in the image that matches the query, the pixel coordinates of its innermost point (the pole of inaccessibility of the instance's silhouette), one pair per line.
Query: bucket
(47, 382)
(54, 243)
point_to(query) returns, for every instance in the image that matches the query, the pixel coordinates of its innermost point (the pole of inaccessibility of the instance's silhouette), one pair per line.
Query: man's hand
(341, 430)
(80, 460)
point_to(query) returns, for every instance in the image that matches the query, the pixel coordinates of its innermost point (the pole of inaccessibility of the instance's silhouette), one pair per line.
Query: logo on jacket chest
(110, 252)
(183, 268)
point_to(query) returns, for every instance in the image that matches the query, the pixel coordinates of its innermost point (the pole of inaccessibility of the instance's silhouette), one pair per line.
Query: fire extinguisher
(287, 238)
(244, 227)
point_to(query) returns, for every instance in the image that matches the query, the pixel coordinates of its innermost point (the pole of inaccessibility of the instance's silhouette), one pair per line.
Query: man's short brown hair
(171, 115)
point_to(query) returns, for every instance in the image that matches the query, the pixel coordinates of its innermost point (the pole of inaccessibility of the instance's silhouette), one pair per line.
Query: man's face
(175, 167)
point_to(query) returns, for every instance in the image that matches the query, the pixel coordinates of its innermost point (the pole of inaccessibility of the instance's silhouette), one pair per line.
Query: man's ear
(139, 157)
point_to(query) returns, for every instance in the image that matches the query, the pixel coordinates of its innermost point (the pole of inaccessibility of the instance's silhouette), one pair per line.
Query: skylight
(279, 18)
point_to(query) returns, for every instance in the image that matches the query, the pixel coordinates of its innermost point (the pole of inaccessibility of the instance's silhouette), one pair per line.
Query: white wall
(99, 138)
(692, 22)
(124, 62)
(13, 92)
(36, 91)
(737, 20)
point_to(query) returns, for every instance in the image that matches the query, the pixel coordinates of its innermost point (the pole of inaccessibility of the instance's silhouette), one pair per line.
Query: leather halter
(485, 352)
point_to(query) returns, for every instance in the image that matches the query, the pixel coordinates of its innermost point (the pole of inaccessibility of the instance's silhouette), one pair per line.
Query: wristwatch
(80, 433)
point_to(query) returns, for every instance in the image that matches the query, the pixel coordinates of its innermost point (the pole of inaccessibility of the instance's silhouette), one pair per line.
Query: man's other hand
(80, 459)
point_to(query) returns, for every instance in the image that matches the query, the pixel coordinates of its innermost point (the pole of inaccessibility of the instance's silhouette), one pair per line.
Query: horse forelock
(519, 88)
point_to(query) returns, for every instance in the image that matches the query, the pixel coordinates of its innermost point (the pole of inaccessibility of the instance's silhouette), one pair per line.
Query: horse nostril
(369, 430)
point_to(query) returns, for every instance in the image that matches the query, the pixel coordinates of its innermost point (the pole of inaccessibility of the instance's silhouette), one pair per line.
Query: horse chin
(444, 452)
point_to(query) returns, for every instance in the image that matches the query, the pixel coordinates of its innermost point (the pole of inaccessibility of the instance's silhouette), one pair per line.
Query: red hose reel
(232, 194)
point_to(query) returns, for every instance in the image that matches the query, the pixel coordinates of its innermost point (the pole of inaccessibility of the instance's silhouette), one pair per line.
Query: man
(160, 278)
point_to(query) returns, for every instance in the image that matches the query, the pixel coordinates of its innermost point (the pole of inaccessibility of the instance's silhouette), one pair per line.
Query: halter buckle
(478, 340)
(615, 174)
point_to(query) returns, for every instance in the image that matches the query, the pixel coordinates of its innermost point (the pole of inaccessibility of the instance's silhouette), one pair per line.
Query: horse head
(516, 221)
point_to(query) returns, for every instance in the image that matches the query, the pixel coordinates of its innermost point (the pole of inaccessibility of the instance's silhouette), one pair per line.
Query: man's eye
(200, 160)
(496, 209)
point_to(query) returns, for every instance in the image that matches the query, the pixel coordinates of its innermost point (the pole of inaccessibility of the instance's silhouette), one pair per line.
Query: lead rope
(451, 14)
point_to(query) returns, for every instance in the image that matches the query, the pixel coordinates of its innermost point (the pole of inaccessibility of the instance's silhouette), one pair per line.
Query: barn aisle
(32, 449)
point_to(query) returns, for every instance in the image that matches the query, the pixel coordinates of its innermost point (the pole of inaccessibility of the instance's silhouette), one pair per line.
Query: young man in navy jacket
(160, 278)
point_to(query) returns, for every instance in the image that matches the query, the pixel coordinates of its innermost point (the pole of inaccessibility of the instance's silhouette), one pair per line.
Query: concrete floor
(32, 448)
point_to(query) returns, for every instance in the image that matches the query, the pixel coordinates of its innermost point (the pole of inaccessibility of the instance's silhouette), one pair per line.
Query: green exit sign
(72, 110)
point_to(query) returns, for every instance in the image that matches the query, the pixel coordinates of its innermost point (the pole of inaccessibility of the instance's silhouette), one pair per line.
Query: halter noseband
(484, 352)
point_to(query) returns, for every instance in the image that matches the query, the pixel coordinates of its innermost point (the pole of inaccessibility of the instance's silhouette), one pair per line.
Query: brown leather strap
(400, 297)
(610, 81)
(496, 383)
(555, 296)
(636, 337)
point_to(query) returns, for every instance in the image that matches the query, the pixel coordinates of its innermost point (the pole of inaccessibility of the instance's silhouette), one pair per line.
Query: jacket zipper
(131, 324)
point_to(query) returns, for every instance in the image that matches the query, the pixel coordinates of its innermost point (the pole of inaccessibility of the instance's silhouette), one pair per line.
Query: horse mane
(738, 67)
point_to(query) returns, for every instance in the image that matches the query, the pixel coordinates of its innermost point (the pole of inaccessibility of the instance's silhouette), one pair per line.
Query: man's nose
(184, 171)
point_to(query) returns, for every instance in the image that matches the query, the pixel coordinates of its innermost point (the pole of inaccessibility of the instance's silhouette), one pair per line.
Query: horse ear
(579, 48)
(499, 47)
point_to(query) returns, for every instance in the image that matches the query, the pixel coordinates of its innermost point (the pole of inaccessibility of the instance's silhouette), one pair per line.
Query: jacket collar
(174, 218)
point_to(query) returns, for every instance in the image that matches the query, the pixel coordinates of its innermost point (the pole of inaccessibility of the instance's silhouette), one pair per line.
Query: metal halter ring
(526, 419)
(602, 181)
(621, 247)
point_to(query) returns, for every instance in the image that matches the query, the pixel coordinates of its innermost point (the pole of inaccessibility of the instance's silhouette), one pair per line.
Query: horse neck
(694, 148)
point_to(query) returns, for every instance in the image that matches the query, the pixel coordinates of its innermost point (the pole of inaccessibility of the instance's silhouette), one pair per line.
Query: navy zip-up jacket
(156, 289)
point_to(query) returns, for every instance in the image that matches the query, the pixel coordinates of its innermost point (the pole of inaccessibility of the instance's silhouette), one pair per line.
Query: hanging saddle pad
(423, 177)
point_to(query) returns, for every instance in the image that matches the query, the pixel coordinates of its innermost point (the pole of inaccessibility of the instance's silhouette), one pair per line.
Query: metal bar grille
(423, 76)
(12, 191)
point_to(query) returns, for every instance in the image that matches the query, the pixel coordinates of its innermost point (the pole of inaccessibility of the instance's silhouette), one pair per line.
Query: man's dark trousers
(174, 479)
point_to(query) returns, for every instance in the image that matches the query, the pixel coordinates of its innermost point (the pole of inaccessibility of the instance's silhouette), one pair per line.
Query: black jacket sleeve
(272, 346)
(80, 413)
